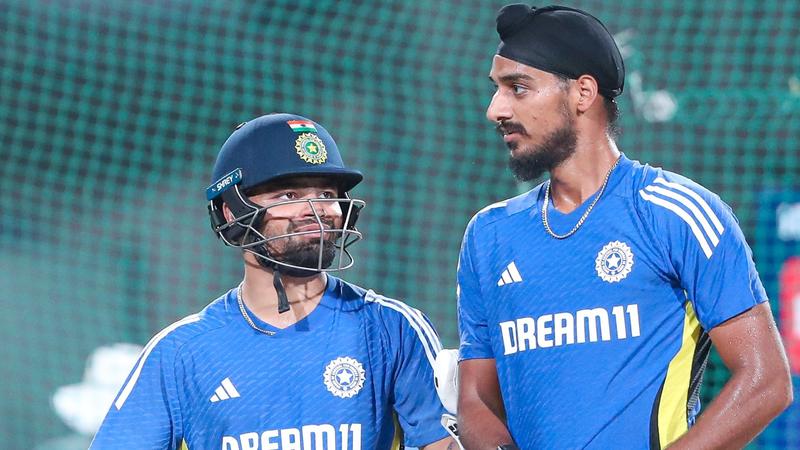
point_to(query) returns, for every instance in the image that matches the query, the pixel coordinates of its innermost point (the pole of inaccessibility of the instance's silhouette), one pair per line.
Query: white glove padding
(451, 425)
(445, 376)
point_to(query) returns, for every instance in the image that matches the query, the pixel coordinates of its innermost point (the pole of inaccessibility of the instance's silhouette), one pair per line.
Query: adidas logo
(225, 391)
(510, 275)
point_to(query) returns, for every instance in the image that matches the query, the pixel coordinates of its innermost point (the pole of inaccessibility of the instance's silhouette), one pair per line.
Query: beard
(557, 147)
(305, 251)
(307, 254)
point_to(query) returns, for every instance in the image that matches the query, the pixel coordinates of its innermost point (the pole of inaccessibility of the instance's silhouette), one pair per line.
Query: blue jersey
(341, 378)
(600, 338)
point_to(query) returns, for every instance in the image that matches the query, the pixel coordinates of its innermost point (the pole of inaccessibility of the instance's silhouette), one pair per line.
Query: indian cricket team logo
(614, 262)
(344, 377)
(311, 148)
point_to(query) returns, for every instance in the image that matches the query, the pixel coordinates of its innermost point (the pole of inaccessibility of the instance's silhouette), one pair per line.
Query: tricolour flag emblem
(302, 126)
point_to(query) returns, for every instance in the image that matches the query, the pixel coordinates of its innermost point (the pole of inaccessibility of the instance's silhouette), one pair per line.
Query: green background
(111, 114)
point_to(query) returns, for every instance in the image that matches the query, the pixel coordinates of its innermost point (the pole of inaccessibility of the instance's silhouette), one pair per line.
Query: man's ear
(226, 211)
(587, 92)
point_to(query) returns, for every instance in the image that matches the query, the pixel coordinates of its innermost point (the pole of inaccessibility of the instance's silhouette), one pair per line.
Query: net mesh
(113, 112)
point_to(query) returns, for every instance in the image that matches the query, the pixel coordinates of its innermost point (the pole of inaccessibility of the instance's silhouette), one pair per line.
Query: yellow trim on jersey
(672, 420)
(184, 445)
(397, 441)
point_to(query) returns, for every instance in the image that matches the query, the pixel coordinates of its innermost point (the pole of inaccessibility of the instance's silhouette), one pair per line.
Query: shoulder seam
(126, 390)
(499, 204)
(425, 332)
(486, 220)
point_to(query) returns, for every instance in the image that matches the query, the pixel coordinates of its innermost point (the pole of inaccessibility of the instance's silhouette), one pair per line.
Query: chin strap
(277, 283)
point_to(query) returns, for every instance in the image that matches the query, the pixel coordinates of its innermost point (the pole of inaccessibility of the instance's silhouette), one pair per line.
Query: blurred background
(112, 113)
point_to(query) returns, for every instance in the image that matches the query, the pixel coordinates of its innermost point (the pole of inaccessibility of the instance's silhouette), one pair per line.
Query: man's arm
(142, 415)
(759, 389)
(481, 415)
(447, 443)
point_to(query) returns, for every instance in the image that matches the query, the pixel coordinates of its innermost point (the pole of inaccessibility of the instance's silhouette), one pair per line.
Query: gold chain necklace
(247, 316)
(585, 214)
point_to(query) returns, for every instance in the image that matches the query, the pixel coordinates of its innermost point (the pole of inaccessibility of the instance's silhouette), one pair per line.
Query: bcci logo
(344, 377)
(614, 262)
(310, 148)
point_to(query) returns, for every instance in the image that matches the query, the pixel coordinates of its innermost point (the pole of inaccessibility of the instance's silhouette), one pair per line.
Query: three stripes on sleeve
(690, 207)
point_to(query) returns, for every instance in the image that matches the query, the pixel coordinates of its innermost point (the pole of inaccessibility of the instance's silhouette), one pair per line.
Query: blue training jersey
(600, 338)
(341, 378)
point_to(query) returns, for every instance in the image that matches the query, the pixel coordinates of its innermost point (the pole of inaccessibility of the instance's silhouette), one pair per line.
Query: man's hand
(450, 424)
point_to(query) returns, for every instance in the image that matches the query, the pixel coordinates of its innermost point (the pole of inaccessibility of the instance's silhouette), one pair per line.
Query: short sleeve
(707, 250)
(472, 320)
(416, 403)
(144, 413)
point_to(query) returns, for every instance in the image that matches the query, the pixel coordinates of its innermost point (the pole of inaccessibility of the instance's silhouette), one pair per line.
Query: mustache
(326, 222)
(507, 127)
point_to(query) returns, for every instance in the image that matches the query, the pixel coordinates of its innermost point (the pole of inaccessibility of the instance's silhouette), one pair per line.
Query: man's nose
(322, 207)
(499, 108)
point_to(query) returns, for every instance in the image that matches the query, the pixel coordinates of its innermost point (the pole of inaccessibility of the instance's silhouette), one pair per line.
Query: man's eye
(328, 194)
(289, 195)
(519, 89)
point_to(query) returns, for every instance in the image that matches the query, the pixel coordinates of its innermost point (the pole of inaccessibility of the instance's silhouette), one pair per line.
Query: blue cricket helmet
(268, 149)
(278, 146)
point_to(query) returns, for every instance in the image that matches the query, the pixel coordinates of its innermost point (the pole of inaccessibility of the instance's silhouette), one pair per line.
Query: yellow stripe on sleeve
(672, 420)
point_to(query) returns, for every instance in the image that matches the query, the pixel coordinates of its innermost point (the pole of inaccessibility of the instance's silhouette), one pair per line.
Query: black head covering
(561, 40)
